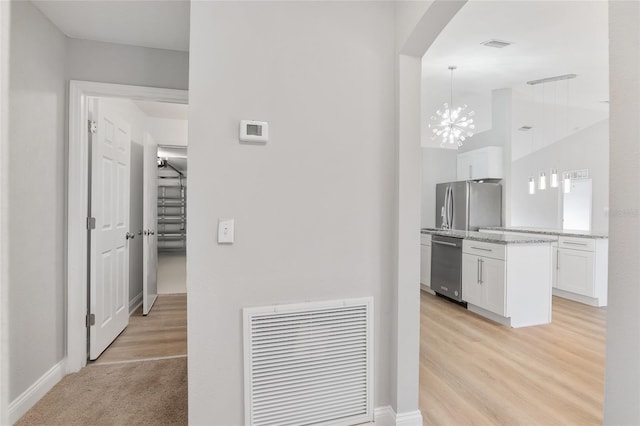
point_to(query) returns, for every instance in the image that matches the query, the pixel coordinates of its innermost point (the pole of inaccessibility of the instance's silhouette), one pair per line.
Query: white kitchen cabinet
(492, 274)
(471, 287)
(582, 270)
(483, 282)
(554, 265)
(508, 283)
(425, 262)
(575, 271)
(579, 265)
(482, 163)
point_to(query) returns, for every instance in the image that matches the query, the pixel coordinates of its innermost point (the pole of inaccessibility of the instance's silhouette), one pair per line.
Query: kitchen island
(580, 261)
(505, 278)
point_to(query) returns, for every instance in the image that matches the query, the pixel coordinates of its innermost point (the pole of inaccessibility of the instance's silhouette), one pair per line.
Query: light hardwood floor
(474, 371)
(162, 333)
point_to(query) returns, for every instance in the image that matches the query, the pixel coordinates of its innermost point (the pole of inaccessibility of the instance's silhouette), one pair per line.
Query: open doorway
(540, 129)
(137, 209)
(80, 320)
(172, 219)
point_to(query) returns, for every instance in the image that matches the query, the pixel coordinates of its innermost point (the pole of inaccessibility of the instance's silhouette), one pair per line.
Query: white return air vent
(309, 363)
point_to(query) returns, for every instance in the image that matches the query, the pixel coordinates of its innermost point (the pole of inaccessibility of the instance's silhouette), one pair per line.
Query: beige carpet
(135, 393)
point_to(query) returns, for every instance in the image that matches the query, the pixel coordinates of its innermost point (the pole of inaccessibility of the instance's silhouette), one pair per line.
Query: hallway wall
(325, 200)
(116, 63)
(37, 196)
(42, 60)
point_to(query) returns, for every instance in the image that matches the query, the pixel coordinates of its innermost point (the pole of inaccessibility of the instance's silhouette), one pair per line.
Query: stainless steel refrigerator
(468, 205)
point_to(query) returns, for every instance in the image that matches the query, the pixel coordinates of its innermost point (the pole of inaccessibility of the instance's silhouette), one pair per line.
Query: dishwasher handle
(444, 243)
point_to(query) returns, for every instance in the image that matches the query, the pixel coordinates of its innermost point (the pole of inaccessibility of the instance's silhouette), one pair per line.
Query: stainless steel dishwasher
(446, 266)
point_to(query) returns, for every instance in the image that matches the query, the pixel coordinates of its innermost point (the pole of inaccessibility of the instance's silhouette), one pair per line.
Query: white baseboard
(426, 289)
(592, 301)
(386, 416)
(35, 392)
(411, 418)
(135, 303)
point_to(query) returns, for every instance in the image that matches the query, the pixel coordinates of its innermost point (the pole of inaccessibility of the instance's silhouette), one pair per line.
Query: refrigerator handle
(450, 218)
(447, 197)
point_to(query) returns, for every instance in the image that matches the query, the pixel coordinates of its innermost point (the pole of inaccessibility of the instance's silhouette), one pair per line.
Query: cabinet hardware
(557, 259)
(478, 271)
(574, 244)
(480, 248)
(481, 271)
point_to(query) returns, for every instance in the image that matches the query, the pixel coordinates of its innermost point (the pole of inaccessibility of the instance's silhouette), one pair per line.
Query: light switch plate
(225, 231)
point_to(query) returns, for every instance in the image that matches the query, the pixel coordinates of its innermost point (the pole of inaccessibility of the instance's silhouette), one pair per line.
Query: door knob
(130, 236)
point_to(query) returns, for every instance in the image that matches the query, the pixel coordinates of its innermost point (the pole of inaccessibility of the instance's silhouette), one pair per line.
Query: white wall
(5, 20)
(586, 149)
(313, 208)
(166, 131)
(117, 63)
(37, 196)
(438, 165)
(622, 383)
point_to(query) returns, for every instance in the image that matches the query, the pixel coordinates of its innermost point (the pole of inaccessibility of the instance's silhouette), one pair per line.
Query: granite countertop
(487, 237)
(548, 231)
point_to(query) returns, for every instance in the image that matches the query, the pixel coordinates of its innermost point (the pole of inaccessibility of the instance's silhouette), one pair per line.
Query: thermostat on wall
(254, 131)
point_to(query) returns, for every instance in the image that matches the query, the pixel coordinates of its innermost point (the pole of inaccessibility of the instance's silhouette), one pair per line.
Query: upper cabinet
(482, 163)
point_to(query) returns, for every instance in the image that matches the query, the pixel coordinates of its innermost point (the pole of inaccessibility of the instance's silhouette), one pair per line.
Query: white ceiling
(163, 110)
(550, 38)
(161, 24)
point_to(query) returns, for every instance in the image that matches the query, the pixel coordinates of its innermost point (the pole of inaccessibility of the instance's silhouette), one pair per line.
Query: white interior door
(110, 187)
(150, 243)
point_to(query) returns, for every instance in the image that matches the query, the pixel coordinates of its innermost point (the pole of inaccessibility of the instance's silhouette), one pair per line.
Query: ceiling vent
(498, 44)
(525, 128)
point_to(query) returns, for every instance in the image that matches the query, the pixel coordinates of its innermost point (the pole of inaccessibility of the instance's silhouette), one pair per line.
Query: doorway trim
(78, 199)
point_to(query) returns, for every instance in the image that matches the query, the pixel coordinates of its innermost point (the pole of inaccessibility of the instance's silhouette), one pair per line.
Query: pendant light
(542, 178)
(451, 125)
(542, 183)
(566, 177)
(532, 185)
(553, 180)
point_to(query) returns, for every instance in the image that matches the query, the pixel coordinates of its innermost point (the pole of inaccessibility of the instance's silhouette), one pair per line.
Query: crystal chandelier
(451, 125)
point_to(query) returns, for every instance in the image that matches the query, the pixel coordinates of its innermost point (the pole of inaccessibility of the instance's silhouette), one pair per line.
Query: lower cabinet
(425, 265)
(554, 265)
(575, 271)
(582, 270)
(425, 261)
(483, 282)
(508, 283)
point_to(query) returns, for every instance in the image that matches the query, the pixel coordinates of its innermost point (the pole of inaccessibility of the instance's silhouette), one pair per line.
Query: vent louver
(498, 44)
(309, 363)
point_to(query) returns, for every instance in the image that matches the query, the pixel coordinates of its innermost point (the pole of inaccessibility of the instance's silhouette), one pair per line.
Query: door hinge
(91, 320)
(93, 127)
(91, 223)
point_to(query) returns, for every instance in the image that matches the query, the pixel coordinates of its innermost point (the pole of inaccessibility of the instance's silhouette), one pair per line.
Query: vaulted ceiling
(148, 23)
(550, 38)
